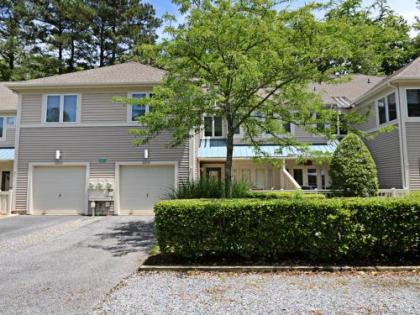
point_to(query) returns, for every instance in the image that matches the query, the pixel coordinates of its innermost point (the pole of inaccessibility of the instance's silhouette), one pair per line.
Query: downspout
(402, 138)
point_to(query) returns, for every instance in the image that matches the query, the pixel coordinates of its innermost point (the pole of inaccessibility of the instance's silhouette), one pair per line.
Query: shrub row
(322, 230)
(286, 194)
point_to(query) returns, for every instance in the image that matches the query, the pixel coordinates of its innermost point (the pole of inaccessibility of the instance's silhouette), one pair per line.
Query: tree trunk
(102, 47)
(229, 156)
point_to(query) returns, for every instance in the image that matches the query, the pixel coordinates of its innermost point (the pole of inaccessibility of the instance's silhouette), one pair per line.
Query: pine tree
(119, 26)
(16, 33)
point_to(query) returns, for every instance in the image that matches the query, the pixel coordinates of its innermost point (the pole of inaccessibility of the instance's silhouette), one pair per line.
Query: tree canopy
(46, 37)
(251, 62)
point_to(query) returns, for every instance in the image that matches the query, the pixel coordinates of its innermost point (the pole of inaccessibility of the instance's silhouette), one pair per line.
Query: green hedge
(284, 194)
(330, 230)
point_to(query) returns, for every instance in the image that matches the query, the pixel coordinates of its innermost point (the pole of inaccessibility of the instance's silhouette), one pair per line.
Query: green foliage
(381, 36)
(323, 230)
(298, 194)
(256, 60)
(208, 188)
(69, 35)
(353, 170)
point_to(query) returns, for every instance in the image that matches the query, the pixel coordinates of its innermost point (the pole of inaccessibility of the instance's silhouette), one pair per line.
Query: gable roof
(8, 99)
(130, 73)
(344, 94)
(409, 72)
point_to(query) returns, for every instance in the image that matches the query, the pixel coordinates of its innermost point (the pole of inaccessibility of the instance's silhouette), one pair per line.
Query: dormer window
(213, 126)
(61, 108)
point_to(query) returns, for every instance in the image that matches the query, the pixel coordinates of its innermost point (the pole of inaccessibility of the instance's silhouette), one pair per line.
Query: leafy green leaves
(353, 170)
(321, 230)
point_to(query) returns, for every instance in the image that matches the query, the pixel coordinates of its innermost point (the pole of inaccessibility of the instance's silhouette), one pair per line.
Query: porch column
(282, 167)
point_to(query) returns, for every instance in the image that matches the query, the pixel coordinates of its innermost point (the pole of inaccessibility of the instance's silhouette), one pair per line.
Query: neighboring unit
(8, 102)
(74, 144)
(74, 153)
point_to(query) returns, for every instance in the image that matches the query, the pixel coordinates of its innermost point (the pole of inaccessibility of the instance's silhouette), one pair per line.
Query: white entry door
(140, 187)
(59, 190)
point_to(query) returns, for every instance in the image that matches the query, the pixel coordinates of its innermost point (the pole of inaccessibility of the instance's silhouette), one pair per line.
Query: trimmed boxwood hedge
(284, 194)
(322, 230)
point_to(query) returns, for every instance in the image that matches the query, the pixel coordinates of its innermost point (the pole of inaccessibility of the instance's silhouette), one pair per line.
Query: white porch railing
(288, 181)
(5, 202)
(392, 192)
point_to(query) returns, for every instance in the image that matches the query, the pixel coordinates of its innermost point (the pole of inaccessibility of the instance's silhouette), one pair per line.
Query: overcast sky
(407, 8)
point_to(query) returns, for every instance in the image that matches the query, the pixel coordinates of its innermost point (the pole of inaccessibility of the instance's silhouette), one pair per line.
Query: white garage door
(59, 189)
(142, 186)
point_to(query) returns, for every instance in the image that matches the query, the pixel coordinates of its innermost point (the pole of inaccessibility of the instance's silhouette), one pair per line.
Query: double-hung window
(213, 126)
(387, 109)
(413, 103)
(136, 110)
(61, 108)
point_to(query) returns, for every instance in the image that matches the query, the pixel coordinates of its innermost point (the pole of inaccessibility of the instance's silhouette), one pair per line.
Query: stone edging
(282, 268)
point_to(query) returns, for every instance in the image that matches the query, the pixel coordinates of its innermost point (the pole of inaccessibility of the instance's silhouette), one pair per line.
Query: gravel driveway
(66, 265)
(291, 293)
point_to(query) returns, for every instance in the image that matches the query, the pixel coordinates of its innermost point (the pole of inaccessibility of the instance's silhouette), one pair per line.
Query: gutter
(23, 87)
(378, 87)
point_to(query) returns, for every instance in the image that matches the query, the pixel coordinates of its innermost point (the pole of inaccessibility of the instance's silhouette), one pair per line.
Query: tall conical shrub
(353, 170)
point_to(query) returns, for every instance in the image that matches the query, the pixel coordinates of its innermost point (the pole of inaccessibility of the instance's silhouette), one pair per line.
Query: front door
(214, 173)
(5, 181)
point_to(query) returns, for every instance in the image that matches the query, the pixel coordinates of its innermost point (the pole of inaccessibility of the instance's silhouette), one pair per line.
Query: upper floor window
(61, 108)
(136, 111)
(11, 121)
(413, 103)
(213, 126)
(387, 109)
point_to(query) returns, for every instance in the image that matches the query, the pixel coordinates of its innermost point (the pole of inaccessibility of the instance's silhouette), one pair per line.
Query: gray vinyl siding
(88, 144)
(385, 150)
(413, 148)
(98, 107)
(303, 136)
(370, 119)
(9, 140)
(31, 110)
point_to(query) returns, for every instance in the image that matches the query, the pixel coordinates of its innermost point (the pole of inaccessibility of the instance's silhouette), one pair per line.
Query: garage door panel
(142, 186)
(59, 190)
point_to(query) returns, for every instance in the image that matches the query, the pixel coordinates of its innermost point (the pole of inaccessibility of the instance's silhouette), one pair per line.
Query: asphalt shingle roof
(8, 99)
(126, 73)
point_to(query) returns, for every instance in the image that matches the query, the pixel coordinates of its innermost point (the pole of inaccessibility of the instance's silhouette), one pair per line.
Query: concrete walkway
(66, 265)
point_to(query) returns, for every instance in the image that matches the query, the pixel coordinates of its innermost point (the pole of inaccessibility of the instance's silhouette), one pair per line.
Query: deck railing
(5, 202)
(391, 192)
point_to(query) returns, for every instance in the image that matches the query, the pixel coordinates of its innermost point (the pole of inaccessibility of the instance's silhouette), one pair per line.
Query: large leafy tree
(250, 63)
(384, 43)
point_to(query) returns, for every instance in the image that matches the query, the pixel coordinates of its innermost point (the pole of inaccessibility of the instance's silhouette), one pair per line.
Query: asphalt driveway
(66, 265)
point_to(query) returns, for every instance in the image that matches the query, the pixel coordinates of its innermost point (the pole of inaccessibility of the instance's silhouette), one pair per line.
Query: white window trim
(130, 107)
(388, 122)
(4, 135)
(212, 128)
(60, 122)
(405, 104)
